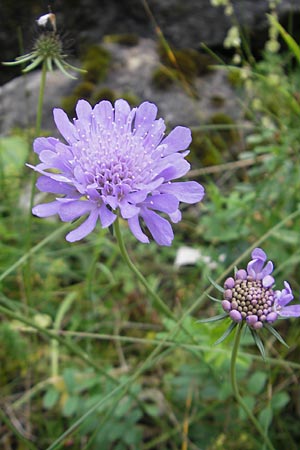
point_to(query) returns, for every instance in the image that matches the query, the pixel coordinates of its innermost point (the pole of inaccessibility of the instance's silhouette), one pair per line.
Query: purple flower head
(116, 160)
(250, 296)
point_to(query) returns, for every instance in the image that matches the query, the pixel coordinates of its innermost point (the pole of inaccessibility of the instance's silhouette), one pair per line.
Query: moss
(211, 147)
(234, 78)
(96, 62)
(217, 100)
(126, 39)
(189, 61)
(164, 77)
(109, 94)
(83, 90)
(203, 149)
(104, 93)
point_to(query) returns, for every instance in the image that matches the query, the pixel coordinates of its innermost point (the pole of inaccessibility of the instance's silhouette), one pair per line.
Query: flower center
(249, 300)
(112, 161)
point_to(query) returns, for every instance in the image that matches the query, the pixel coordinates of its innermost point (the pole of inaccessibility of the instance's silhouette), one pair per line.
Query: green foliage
(121, 376)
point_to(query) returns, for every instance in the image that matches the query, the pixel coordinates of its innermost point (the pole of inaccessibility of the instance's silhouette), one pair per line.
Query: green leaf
(276, 335)
(213, 319)
(265, 417)
(13, 155)
(70, 406)
(289, 40)
(259, 343)
(227, 333)
(280, 400)
(216, 285)
(257, 382)
(250, 402)
(50, 398)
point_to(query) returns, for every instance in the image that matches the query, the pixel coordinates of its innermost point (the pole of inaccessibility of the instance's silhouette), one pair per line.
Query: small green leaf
(259, 343)
(265, 417)
(257, 382)
(250, 402)
(13, 154)
(213, 319)
(289, 40)
(216, 285)
(280, 400)
(70, 406)
(227, 333)
(50, 398)
(276, 335)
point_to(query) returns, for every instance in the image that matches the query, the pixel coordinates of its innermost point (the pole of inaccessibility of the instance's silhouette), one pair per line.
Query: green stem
(235, 388)
(64, 307)
(161, 306)
(39, 112)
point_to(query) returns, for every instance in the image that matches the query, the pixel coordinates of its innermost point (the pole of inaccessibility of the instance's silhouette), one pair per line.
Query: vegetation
(87, 360)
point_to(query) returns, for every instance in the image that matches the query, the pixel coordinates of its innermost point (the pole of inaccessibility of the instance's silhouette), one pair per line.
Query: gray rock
(184, 23)
(131, 71)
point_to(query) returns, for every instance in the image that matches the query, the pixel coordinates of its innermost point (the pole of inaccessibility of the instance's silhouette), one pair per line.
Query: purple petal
(43, 143)
(159, 227)
(258, 253)
(267, 270)
(268, 281)
(229, 283)
(162, 202)
(155, 136)
(136, 230)
(271, 317)
(122, 111)
(66, 128)
(176, 169)
(83, 110)
(235, 315)
(226, 305)
(106, 216)
(290, 311)
(46, 184)
(186, 191)
(46, 209)
(128, 210)
(175, 216)
(241, 274)
(104, 114)
(73, 209)
(285, 296)
(144, 117)
(84, 229)
(252, 319)
(179, 139)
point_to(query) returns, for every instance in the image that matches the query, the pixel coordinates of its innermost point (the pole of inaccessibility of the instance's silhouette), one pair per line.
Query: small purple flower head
(250, 296)
(116, 160)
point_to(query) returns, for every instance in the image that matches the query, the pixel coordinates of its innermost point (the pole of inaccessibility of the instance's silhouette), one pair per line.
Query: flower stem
(161, 306)
(39, 112)
(235, 388)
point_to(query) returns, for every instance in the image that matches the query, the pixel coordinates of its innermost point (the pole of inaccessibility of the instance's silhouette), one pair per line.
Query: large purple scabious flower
(250, 295)
(116, 160)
